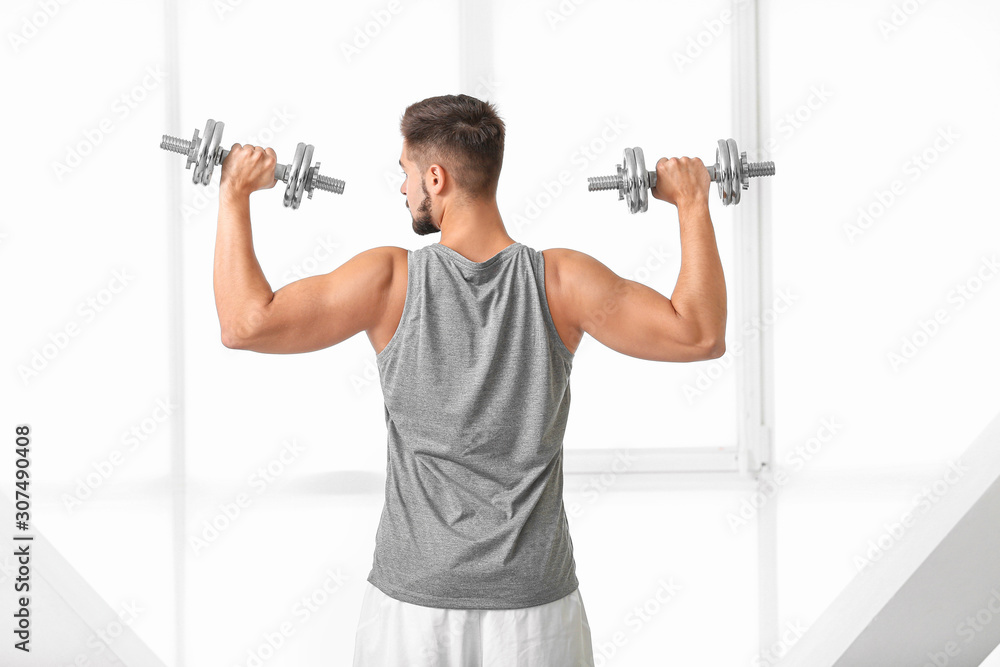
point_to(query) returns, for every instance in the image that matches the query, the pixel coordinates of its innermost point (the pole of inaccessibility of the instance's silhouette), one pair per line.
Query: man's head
(452, 150)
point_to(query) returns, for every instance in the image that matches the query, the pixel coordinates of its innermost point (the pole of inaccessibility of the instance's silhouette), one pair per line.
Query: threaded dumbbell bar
(206, 152)
(731, 171)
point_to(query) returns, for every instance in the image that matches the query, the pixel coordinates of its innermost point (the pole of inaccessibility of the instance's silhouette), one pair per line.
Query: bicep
(319, 311)
(625, 315)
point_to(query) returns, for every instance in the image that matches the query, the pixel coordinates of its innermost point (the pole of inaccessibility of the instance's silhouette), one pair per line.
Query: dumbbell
(731, 171)
(206, 152)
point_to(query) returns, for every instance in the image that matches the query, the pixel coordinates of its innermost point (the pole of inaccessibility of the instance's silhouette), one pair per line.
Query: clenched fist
(681, 180)
(248, 168)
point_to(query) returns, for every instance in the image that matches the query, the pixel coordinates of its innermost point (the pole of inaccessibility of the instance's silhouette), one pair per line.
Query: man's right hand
(247, 169)
(681, 180)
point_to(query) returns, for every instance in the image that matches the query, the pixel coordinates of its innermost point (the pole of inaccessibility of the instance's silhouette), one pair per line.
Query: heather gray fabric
(476, 388)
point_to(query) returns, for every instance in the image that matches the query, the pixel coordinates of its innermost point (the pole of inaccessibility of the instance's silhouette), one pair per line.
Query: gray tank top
(476, 388)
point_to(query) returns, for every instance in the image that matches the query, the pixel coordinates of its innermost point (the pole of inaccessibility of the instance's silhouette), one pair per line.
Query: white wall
(83, 262)
(856, 91)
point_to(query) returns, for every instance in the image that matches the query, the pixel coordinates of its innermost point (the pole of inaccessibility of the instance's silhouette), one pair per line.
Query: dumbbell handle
(711, 175)
(320, 182)
(280, 170)
(756, 169)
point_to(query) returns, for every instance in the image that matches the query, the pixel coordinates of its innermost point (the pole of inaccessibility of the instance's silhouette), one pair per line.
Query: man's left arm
(303, 316)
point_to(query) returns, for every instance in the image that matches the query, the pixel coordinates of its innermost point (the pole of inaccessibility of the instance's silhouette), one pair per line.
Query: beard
(422, 223)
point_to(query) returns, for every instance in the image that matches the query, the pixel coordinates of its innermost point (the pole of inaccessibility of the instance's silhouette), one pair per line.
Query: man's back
(476, 387)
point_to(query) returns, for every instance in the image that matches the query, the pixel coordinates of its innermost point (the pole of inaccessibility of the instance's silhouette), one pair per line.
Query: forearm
(241, 290)
(700, 294)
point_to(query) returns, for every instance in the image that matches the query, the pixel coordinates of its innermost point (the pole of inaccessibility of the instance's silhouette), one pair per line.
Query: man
(474, 339)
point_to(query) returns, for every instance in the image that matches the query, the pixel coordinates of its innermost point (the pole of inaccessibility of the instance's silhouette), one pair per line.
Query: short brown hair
(461, 133)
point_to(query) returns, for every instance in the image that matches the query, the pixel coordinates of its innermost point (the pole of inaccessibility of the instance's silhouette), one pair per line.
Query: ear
(436, 178)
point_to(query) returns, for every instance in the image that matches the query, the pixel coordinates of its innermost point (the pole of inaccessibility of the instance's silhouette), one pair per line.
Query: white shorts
(392, 633)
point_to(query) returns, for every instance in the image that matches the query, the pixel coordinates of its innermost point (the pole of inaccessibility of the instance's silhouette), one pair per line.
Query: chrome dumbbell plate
(201, 157)
(212, 154)
(635, 180)
(298, 175)
(642, 177)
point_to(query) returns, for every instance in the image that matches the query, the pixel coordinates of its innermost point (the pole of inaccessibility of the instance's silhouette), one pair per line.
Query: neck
(475, 230)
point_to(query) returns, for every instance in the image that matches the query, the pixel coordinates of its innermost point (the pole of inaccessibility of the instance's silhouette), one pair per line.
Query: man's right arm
(638, 321)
